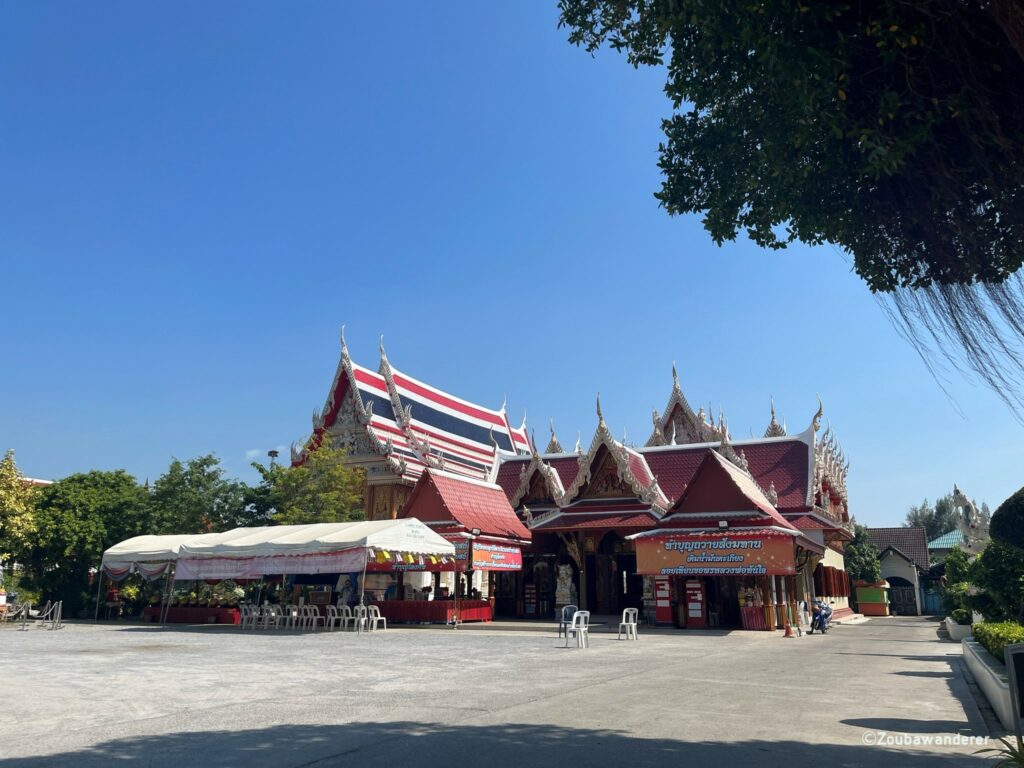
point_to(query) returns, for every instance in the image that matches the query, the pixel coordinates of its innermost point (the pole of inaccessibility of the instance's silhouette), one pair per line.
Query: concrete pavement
(94, 695)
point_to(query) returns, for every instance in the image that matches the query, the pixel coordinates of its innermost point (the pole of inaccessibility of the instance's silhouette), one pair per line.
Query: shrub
(998, 573)
(996, 636)
(954, 596)
(960, 616)
(1007, 524)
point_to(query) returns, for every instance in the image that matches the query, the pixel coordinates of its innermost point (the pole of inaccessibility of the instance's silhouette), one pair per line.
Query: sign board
(705, 554)
(496, 557)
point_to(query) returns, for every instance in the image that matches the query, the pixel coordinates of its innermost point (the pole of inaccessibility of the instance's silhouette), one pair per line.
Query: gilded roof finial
(344, 347)
(600, 416)
(816, 421)
(774, 428)
(579, 447)
(553, 446)
(675, 375)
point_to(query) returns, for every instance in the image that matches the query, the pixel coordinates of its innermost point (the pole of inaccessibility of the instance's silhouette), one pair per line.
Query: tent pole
(99, 583)
(166, 607)
(362, 587)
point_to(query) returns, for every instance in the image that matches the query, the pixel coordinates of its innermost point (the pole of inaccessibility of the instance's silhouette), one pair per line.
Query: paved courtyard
(101, 695)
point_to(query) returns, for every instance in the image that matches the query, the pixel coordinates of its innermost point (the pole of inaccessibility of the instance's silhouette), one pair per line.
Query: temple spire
(553, 445)
(600, 416)
(774, 428)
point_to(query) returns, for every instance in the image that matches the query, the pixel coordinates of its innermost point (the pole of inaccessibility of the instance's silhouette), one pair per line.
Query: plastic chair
(359, 618)
(247, 616)
(580, 629)
(566, 619)
(375, 619)
(272, 614)
(345, 618)
(333, 617)
(311, 616)
(628, 623)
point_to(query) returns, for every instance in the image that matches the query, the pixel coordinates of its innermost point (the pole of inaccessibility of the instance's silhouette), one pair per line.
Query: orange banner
(715, 555)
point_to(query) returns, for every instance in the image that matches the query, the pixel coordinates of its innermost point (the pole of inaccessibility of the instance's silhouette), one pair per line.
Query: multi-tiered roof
(395, 424)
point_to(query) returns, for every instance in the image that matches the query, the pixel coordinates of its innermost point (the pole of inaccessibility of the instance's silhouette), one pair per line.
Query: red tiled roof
(442, 497)
(807, 523)
(912, 542)
(721, 486)
(508, 475)
(675, 468)
(784, 463)
(567, 468)
(571, 522)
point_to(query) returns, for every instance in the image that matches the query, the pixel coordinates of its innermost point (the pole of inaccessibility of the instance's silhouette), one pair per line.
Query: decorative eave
(700, 429)
(363, 413)
(403, 415)
(551, 480)
(651, 494)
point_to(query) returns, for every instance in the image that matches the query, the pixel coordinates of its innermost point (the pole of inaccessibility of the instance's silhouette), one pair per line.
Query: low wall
(957, 632)
(990, 673)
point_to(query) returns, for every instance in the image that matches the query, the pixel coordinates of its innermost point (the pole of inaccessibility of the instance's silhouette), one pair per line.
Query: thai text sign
(715, 555)
(494, 557)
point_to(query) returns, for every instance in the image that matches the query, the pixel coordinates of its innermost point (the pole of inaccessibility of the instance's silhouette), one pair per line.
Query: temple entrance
(723, 601)
(612, 581)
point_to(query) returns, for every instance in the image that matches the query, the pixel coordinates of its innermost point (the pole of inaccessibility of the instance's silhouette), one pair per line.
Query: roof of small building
(465, 503)
(912, 542)
(950, 540)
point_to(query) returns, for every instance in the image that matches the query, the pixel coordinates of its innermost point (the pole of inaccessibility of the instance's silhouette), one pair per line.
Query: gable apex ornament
(553, 445)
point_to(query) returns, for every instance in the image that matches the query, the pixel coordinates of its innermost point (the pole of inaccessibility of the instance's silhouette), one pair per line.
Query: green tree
(77, 519)
(891, 129)
(1007, 524)
(998, 573)
(861, 557)
(17, 508)
(321, 490)
(937, 520)
(195, 497)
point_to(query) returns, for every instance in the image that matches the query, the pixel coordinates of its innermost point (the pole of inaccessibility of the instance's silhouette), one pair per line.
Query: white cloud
(252, 453)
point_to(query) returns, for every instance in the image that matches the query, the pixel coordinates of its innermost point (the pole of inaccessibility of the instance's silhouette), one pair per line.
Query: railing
(53, 616)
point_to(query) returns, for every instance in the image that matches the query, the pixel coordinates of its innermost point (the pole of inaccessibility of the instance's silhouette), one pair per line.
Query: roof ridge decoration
(363, 413)
(774, 428)
(551, 478)
(831, 467)
(657, 436)
(553, 445)
(648, 494)
(403, 415)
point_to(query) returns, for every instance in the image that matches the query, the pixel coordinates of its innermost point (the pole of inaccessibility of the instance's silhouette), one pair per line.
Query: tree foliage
(195, 497)
(893, 130)
(937, 520)
(1007, 524)
(77, 518)
(861, 557)
(998, 573)
(17, 508)
(321, 490)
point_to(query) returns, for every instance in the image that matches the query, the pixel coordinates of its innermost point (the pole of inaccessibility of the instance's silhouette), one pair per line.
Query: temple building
(693, 527)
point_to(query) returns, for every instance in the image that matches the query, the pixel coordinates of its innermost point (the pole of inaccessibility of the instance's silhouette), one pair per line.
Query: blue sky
(194, 197)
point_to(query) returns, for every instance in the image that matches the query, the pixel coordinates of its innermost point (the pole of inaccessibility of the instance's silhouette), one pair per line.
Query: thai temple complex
(694, 527)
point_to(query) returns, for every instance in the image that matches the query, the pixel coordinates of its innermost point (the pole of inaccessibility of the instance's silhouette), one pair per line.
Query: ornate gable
(605, 482)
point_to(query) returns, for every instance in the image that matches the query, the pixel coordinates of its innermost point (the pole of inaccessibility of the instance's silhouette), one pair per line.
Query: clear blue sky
(194, 197)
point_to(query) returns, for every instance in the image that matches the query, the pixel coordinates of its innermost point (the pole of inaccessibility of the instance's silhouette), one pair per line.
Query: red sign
(496, 557)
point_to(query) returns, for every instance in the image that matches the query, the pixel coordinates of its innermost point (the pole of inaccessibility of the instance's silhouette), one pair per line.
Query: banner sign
(715, 555)
(495, 557)
(204, 568)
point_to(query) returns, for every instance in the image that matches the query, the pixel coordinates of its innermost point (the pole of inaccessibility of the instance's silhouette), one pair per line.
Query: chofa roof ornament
(553, 445)
(774, 428)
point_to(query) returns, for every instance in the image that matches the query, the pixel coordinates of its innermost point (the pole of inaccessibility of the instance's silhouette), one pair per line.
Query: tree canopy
(861, 557)
(17, 508)
(937, 520)
(1007, 525)
(321, 490)
(893, 130)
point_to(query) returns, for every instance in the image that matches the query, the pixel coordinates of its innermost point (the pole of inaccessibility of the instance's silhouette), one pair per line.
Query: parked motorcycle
(822, 614)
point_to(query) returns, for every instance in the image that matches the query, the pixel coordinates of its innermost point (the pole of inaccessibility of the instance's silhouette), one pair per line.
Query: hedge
(996, 636)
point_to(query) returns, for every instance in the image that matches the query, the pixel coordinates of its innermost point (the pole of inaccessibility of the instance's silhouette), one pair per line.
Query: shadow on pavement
(907, 725)
(520, 745)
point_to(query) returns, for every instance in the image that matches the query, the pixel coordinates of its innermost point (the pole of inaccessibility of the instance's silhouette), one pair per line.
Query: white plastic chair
(311, 616)
(248, 616)
(566, 618)
(272, 614)
(628, 623)
(333, 617)
(359, 618)
(345, 618)
(375, 619)
(289, 616)
(580, 629)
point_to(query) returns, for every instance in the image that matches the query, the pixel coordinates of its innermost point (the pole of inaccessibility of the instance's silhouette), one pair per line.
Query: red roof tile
(442, 497)
(508, 475)
(784, 463)
(572, 522)
(807, 523)
(675, 468)
(566, 467)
